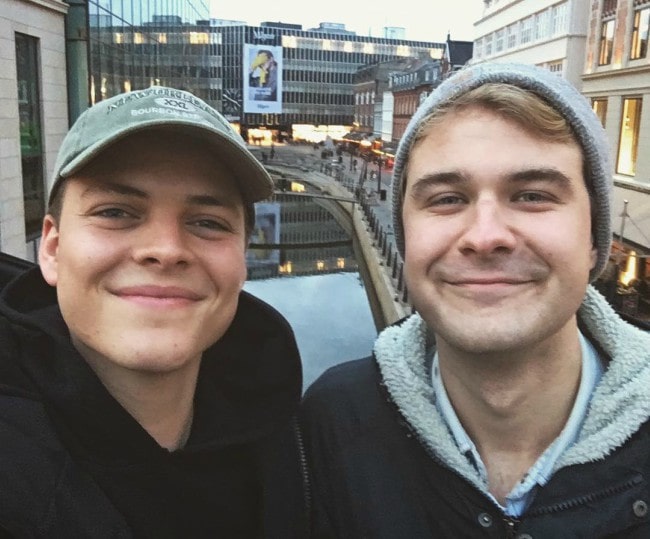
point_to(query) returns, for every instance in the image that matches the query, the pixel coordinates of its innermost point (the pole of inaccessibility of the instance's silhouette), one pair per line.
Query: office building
(547, 33)
(33, 116)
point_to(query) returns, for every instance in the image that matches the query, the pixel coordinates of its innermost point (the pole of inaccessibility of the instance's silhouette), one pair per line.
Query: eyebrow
(455, 177)
(121, 189)
(116, 188)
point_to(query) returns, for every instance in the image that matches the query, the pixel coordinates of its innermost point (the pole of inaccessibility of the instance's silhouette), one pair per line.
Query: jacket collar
(249, 384)
(620, 403)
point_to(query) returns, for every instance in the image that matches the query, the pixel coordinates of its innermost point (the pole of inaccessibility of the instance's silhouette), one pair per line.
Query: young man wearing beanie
(514, 402)
(142, 393)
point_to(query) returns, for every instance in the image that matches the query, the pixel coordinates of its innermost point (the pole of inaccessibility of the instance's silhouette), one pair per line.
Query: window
(488, 44)
(527, 30)
(478, 48)
(541, 25)
(606, 42)
(639, 47)
(31, 141)
(559, 18)
(512, 36)
(599, 104)
(498, 41)
(629, 139)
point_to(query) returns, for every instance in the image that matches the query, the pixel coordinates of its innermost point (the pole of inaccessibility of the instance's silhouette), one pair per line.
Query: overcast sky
(424, 20)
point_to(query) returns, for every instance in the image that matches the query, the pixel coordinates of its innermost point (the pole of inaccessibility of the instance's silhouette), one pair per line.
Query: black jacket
(383, 464)
(74, 463)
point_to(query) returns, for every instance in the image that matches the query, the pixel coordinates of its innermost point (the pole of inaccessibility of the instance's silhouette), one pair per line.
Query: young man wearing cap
(142, 393)
(514, 402)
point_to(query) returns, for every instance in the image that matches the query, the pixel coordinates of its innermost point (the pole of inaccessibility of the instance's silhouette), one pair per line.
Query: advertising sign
(266, 233)
(262, 78)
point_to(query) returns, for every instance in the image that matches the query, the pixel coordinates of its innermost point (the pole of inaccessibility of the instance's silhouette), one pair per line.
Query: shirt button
(485, 520)
(640, 508)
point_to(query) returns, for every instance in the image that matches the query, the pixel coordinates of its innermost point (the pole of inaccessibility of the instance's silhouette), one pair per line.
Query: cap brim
(252, 179)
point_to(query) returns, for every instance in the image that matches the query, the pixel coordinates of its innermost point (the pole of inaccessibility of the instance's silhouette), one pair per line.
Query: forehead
(477, 142)
(479, 123)
(162, 156)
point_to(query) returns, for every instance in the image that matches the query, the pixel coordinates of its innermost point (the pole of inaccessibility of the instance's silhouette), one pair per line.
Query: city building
(547, 33)
(135, 44)
(33, 116)
(309, 86)
(370, 83)
(617, 81)
(456, 55)
(409, 88)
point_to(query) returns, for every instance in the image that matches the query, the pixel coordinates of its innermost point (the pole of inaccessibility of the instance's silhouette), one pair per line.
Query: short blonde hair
(519, 105)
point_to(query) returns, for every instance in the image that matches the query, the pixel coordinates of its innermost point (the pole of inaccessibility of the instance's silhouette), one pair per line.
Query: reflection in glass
(301, 260)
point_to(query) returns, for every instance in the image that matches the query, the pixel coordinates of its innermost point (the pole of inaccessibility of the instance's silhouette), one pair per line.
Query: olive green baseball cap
(160, 107)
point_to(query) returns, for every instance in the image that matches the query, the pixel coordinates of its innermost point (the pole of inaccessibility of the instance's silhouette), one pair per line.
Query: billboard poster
(262, 78)
(266, 233)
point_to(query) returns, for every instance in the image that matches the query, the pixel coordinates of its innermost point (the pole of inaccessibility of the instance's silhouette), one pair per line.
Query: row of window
(628, 141)
(364, 98)
(539, 26)
(638, 41)
(311, 98)
(318, 76)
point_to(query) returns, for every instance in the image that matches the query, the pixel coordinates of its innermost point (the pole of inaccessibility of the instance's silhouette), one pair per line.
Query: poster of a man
(262, 78)
(263, 71)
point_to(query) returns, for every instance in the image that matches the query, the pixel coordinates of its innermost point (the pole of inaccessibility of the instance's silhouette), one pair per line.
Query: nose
(162, 242)
(488, 229)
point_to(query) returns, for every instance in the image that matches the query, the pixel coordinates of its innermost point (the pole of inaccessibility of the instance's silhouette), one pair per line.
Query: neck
(161, 402)
(513, 404)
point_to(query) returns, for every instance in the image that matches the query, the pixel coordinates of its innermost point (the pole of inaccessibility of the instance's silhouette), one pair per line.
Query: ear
(48, 250)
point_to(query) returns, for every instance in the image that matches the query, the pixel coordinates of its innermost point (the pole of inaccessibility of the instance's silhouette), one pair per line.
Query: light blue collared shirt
(522, 494)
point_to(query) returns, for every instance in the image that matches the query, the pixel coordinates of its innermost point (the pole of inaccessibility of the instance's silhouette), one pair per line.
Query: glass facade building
(134, 44)
(318, 68)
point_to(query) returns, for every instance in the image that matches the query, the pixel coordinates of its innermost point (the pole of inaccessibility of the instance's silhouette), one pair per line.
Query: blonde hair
(521, 106)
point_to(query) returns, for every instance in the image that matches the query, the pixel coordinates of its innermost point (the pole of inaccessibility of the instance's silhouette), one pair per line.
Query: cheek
(228, 270)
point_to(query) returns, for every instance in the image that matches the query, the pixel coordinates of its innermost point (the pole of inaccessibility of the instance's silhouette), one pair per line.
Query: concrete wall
(43, 19)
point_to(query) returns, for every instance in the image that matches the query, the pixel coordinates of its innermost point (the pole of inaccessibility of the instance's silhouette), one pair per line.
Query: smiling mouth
(158, 296)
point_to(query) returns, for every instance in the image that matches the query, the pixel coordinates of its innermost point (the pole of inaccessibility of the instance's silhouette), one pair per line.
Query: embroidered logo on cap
(175, 104)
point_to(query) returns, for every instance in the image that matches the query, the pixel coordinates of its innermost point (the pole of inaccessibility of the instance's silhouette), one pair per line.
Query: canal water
(301, 260)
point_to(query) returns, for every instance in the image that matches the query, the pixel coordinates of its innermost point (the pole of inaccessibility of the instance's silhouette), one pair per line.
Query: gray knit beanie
(559, 94)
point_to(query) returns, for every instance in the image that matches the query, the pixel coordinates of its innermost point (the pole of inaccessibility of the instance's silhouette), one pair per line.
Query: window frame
(638, 45)
(633, 147)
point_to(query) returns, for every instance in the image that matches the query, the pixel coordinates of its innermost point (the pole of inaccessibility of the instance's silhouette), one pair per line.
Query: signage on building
(262, 36)
(262, 83)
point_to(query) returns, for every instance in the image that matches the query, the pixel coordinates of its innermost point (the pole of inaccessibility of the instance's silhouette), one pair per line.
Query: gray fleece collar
(620, 404)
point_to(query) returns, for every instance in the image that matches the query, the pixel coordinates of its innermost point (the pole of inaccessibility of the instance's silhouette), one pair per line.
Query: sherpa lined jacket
(384, 465)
